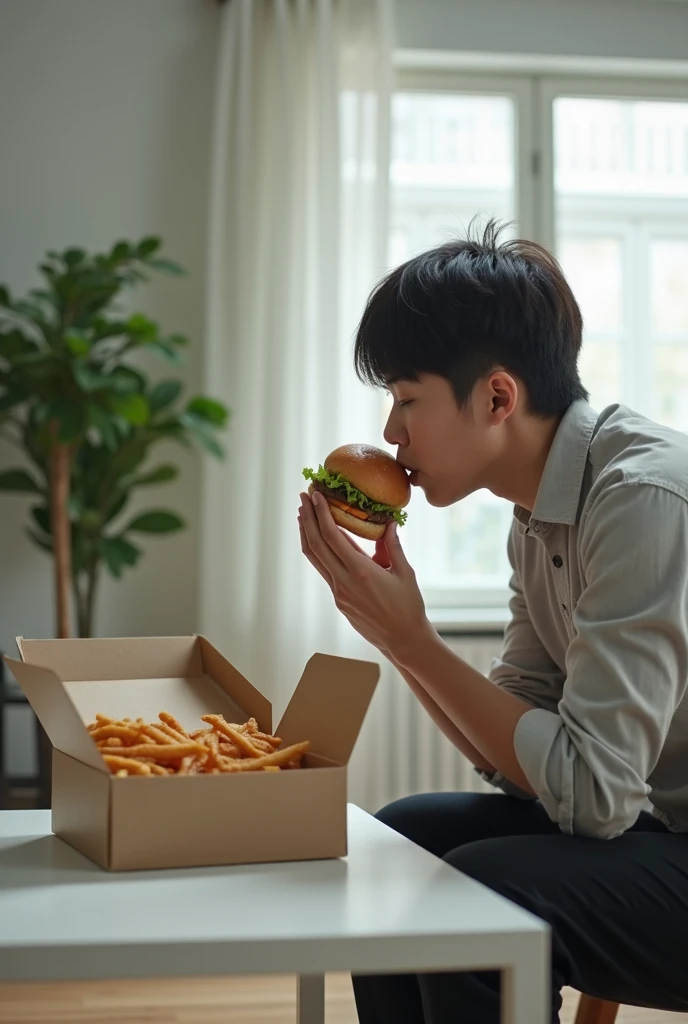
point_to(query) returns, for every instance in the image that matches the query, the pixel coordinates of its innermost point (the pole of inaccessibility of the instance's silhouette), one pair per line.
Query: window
(597, 171)
(621, 223)
(454, 157)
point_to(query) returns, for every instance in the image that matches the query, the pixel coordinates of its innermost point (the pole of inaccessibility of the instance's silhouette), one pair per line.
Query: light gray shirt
(598, 637)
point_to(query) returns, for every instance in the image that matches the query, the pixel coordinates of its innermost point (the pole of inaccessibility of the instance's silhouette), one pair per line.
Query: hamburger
(365, 487)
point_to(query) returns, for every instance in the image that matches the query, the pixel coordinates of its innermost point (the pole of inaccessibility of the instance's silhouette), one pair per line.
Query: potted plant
(86, 417)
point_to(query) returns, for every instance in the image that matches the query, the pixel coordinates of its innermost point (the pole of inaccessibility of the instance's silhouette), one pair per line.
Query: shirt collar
(558, 496)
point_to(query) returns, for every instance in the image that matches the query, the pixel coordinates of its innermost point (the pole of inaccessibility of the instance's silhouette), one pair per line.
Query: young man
(585, 717)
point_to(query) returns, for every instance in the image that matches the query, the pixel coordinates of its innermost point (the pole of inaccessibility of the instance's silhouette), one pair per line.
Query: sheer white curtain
(298, 238)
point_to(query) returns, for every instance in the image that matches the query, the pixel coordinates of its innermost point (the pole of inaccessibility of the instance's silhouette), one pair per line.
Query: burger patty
(340, 493)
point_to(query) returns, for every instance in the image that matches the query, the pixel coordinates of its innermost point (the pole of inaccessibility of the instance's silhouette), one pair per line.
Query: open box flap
(56, 713)
(251, 700)
(122, 658)
(329, 705)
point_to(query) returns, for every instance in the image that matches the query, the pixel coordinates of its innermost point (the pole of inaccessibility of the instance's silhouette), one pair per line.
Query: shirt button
(557, 561)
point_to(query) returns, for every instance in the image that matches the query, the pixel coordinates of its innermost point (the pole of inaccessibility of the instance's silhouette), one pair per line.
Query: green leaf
(73, 257)
(14, 343)
(77, 343)
(167, 266)
(130, 455)
(14, 321)
(43, 542)
(202, 431)
(90, 379)
(102, 421)
(141, 327)
(121, 251)
(5, 299)
(156, 522)
(166, 349)
(70, 417)
(118, 552)
(133, 408)
(160, 475)
(10, 399)
(126, 379)
(147, 246)
(336, 482)
(208, 409)
(41, 515)
(18, 480)
(117, 506)
(165, 393)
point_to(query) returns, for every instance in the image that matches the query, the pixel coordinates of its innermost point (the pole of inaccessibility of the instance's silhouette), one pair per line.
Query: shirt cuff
(501, 782)
(535, 735)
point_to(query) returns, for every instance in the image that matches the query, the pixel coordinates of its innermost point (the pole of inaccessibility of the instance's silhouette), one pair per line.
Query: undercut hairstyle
(471, 306)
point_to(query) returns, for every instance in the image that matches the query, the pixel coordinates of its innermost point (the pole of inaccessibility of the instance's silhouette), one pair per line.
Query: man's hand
(379, 595)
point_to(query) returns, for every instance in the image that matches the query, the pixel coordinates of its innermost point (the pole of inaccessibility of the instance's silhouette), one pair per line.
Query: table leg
(310, 999)
(526, 997)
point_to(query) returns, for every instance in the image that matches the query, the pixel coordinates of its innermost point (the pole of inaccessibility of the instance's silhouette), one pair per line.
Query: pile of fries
(135, 747)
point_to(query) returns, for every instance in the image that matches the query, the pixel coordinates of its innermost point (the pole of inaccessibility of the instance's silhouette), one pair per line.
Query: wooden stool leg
(596, 1011)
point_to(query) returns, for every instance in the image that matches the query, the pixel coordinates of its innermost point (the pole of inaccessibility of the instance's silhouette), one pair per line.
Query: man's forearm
(442, 721)
(485, 715)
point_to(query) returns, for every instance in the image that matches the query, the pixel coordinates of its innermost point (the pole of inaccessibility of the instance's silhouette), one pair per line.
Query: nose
(395, 432)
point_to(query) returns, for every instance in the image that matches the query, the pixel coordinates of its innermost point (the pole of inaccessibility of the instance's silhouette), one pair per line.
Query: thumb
(381, 556)
(395, 551)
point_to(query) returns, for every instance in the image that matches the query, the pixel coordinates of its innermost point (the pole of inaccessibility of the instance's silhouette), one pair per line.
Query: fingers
(398, 562)
(381, 556)
(326, 540)
(305, 547)
(352, 542)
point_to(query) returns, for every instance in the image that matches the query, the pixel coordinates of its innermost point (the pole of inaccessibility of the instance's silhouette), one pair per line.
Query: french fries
(146, 749)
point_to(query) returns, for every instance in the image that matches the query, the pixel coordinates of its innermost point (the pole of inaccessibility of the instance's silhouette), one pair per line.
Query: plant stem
(79, 603)
(91, 597)
(60, 471)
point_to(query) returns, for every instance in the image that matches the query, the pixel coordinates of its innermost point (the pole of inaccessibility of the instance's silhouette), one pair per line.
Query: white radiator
(401, 751)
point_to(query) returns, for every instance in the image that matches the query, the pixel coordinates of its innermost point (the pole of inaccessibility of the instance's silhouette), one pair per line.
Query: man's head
(478, 341)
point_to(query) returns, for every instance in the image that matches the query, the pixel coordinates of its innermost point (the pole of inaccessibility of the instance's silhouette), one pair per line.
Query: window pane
(670, 366)
(593, 269)
(453, 158)
(600, 371)
(669, 285)
(621, 202)
(476, 536)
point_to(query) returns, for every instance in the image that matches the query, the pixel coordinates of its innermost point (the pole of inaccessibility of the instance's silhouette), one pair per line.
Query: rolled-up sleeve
(525, 668)
(626, 669)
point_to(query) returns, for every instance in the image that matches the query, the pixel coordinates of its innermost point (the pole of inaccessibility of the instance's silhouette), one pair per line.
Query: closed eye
(405, 401)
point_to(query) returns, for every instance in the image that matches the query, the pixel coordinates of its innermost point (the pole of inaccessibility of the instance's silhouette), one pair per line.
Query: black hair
(472, 305)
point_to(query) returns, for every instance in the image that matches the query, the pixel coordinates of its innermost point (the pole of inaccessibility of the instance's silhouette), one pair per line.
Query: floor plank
(250, 1000)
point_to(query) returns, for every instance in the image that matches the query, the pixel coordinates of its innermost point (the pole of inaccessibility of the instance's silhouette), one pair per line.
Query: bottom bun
(361, 527)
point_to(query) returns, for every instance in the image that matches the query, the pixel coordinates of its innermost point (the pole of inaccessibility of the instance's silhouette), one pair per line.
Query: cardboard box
(183, 821)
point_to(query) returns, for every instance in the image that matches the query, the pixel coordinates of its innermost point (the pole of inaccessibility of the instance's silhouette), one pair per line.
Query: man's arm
(588, 761)
(525, 669)
(485, 715)
(443, 722)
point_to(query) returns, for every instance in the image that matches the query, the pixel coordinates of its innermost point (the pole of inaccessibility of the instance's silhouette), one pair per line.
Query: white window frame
(550, 88)
(533, 86)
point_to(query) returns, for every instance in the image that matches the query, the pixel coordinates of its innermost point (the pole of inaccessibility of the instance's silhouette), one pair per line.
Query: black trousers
(618, 908)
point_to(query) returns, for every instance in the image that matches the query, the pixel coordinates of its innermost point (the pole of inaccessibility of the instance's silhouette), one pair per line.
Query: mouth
(411, 473)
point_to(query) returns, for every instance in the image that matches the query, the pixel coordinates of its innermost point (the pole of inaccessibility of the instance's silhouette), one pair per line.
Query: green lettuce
(353, 496)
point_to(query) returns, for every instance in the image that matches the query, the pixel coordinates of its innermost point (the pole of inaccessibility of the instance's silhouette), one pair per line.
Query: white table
(389, 906)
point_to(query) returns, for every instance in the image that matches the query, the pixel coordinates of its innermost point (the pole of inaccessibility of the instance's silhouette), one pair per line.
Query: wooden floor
(269, 1000)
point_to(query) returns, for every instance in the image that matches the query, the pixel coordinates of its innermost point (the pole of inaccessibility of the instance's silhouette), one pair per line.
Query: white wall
(105, 117)
(651, 29)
